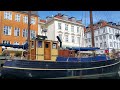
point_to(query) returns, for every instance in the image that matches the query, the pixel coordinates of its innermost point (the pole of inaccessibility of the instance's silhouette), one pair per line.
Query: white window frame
(78, 40)
(32, 34)
(72, 28)
(33, 20)
(59, 26)
(16, 31)
(66, 27)
(8, 15)
(25, 19)
(17, 17)
(73, 39)
(6, 42)
(16, 43)
(78, 29)
(25, 33)
(66, 38)
(7, 30)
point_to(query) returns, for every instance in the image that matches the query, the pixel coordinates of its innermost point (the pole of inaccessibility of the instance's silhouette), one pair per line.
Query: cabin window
(32, 44)
(40, 44)
(54, 45)
(46, 45)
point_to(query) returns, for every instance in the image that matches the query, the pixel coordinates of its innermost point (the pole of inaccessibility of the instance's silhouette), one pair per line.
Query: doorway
(47, 51)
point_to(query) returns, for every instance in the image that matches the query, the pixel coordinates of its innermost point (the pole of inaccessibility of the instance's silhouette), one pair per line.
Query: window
(89, 40)
(66, 38)
(54, 45)
(5, 42)
(78, 39)
(25, 33)
(32, 34)
(17, 17)
(100, 44)
(8, 15)
(46, 45)
(32, 20)
(96, 44)
(103, 30)
(25, 19)
(86, 40)
(113, 37)
(7, 30)
(60, 36)
(32, 44)
(78, 30)
(114, 44)
(110, 36)
(17, 32)
(105, 45)
(117, 45)
(100, 37)
(104, 36)
(111, 45)
(16, 43)
(110, 30)
(66, 27)
(72, 28)
(73, 39)
(96, 38)
(40, 44)
(113, 31)
(59, 25)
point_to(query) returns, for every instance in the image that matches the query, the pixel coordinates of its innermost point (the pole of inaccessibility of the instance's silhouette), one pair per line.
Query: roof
(43, 21)
(100, 24)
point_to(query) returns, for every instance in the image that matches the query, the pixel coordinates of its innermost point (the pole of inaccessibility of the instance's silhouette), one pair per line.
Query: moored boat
(45, 59)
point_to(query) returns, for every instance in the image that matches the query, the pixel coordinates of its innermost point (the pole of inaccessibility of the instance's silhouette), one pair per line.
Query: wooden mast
(29, 20)
(92, 31)
(91, 27)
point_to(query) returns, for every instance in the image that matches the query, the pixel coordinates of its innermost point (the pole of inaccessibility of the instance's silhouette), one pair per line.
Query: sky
(110, 16)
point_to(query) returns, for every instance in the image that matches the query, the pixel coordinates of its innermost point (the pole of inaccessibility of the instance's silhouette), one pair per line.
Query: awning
(83, 48)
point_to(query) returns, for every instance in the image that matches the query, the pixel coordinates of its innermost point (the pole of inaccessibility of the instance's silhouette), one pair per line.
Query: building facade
(14, 26)
(104, 36)
(70, 30)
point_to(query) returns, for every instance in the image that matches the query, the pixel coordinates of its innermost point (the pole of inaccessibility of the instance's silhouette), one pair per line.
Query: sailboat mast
(91, 27)
(29, 20)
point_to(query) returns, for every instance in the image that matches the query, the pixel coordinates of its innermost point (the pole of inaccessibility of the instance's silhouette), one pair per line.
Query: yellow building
(14, 26)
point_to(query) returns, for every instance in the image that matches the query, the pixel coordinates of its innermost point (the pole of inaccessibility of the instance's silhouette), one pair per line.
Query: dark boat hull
(40, 70)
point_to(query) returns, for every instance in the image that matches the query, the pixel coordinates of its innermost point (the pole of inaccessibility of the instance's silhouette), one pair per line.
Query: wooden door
(47, 51)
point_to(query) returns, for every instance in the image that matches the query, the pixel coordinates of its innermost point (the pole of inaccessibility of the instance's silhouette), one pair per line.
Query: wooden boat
(47, 60)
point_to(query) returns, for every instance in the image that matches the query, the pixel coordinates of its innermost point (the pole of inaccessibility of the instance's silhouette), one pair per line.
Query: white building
(70, 30)
(104, 36)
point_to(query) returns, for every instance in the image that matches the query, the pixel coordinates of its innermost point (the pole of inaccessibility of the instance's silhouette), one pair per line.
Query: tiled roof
(100, 24)
(44, 21)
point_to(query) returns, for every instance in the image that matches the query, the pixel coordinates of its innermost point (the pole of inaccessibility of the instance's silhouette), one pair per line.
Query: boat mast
(29, 20)
(91, 27)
